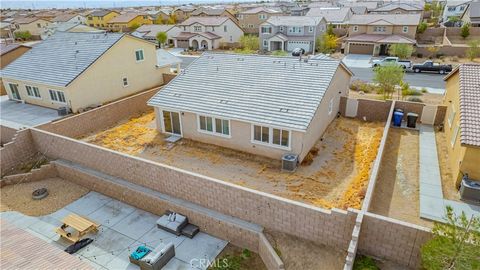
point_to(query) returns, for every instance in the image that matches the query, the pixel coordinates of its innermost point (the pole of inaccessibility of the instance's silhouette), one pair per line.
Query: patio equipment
(138, 254)
(190, 230)
(78, 245)
(80, 225)
(412, 119)
(469, 189)
(158, 258)
(172, 222)
(62, 111)
(289, 162)
(397, 118)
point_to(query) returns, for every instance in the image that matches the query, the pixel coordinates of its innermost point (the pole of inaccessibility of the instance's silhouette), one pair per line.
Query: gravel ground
(19, 197)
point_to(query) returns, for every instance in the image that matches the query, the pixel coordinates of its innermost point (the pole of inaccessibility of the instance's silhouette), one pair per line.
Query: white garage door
(298, 44)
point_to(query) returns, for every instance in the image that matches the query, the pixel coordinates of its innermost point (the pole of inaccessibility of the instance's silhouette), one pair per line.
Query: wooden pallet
(80, 225)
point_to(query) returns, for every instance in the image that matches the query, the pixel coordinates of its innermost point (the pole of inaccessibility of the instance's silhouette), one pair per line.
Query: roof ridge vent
(283, 110)
(177, 95)
(223, 101)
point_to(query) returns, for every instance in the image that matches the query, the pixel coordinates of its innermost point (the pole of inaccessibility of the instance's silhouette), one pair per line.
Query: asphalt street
(433, 82)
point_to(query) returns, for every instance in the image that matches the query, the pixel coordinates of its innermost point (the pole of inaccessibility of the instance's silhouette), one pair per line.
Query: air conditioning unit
(470, 190)
(289, 162)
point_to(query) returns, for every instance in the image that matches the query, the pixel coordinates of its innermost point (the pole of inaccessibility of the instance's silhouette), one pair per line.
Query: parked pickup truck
(392, 60)
(430, 66)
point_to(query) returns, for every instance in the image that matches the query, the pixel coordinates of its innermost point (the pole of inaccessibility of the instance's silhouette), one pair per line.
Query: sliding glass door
(171, 123)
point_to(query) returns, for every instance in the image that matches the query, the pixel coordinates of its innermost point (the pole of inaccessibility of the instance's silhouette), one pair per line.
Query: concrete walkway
(432, 203)
(123, 229)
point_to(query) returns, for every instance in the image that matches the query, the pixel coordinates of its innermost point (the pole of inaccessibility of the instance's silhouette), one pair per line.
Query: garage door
(182, 43)
(291, 45)
(360, 49)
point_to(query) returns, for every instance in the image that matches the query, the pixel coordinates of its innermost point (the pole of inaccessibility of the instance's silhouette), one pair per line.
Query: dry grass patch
(18, 197)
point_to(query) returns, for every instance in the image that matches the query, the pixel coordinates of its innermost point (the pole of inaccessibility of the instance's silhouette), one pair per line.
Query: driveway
(17, 115)
(357, 60)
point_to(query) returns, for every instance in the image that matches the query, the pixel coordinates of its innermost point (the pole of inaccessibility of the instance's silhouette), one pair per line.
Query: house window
(355, 28)
(197, 28)
(14, 90)
(265, 43)
(262, 16)
(451, 116)
(281, 28)
(310, 29)
(454, 135)
(33, 91)
(451, 8)
(214, 125)
(57, 96)
(39, 25)
(139, 55)
(379, 29)
(271, 136)
(125, 81)
(266, 30)
(240, 17)
(330, 107)
(224, 28)
(295, 29)
(405, 29)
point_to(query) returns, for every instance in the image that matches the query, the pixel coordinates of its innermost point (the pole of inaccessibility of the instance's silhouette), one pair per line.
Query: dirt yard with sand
(427, 98)
(450, 192)
(18, 197)
(298, 253)
(396, 192)
(336, 177)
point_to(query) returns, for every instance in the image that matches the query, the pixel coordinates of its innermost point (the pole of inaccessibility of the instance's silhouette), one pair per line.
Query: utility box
(289, 162)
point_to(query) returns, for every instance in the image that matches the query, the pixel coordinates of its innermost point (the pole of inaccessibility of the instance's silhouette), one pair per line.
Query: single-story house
(78, 70)
(462, 121)
(264, 105)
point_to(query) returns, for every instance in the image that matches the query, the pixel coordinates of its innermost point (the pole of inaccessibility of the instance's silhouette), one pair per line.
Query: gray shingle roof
(293, 20)
(469, 103)
(395, 19)
(332, 15)
(61, 58)
(278, 91)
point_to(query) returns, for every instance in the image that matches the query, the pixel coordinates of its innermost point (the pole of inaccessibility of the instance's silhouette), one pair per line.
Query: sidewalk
(432, 203)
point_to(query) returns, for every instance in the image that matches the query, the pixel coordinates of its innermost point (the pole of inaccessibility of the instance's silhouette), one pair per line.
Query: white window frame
(224, 29)
(196, 27)
(125, 79)
(355, 28)
(405, 29)
(57, 96)
(265, 43)
(32, 88)
(11, 91)
(214, 126)
(143, 55)
(310, 29)
(262, 16)
(162, 123)
(330, 106)
(270, 137)
(267, 28)
(451, 116)
(454, 135)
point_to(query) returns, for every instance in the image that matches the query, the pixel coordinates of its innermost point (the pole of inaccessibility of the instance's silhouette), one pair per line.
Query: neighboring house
(374, 33)
(6, 30)
(150, 31)
(69, 18)
(221, 12)
(251, 19)
(182, 13)
(454, 8)
(462, 121)
(472, 14)
(78, 70)
(299, 11)
(398, 8)
(263, 105)
(286, 33)
(47, 15)
(8, 53)
(159, 16)
(336, 16)
(75, 27)
(100, 18)
(36, 26)
(207, 33)
(128, 21)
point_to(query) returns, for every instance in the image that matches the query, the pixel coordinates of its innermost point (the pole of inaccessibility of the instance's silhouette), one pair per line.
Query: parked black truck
(430, 66)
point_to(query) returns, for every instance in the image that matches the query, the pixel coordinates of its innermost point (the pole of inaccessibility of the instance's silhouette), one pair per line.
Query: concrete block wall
(168, 77)
(268, 254)
(6, 134)
(20, 149)
(101, 117)
(45, 171)
(440, 116)
(408, 106)
(332, 228)
(393, 240)
(368, 109)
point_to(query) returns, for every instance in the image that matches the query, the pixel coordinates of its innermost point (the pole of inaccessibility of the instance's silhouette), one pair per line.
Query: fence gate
(428, 114)
(351, 108)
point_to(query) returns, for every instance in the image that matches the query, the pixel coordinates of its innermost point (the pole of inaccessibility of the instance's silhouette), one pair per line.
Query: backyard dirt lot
(396, 192)
(337, 176)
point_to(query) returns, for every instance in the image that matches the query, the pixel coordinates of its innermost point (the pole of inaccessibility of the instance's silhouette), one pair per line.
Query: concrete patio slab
(202, 246)
(88, 203)
(176, 264)
(17, 115)
(111, 213)
(136, 224)
(156, 236)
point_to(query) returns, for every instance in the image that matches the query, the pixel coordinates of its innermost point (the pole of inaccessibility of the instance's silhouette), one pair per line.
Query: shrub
(422, 27)
(364, 263)
(465, 30)
(401, 50)
(326, 43)
(161, 38)
(23, 35)
(415, 99)
(279, 53)
(424, 90)
(250, 42)
(388, 77)
(473, 49)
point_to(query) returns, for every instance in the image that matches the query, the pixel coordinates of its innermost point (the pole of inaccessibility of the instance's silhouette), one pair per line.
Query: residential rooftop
(127, 17)
(204, 21)
(8, 47)
(260, 9)
(333, 14)
(279, 91)
(389, 19)
(293, 20)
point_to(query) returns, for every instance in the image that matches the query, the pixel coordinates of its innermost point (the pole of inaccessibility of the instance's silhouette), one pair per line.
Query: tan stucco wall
(102, 81)
(254, 20)
(33, 27)
(397, 30)
(338, 87)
